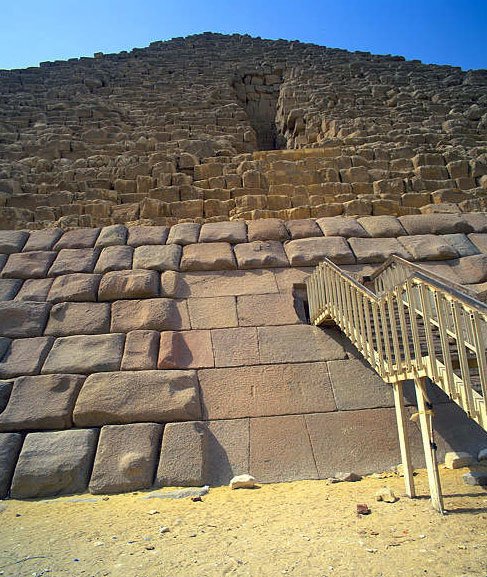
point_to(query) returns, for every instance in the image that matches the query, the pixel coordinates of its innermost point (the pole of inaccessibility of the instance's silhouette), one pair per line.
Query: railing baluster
(466, 386)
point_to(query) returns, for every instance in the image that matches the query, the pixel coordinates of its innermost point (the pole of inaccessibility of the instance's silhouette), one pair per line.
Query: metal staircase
(410, 325)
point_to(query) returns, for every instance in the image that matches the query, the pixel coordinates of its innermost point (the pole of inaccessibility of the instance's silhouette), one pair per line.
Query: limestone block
(185, 350)
(12, 241)
(141, 350)
(208, 256)
(139, 396)
(280, 449)
(10, 444)
(19, 319)
(461, 243)
(260, 254)
(454, 460)
(74, 287)
(25, 357)
(160, 258)
(74, 260)
(298, 343)
(85, 354)
(389, 186)
(33, 264)
(126, 458)
(303, 228)
(235, 347)
(428, 159)
(78, 319)
(40, 240)
(227, 452)
(78, 238)
(213, 313)
(311, 251)
(417, 224)
(54, 463)
(267, 229)
(432, 172)
(265, 390)
(3, 260)
(113, 235)
(232, 232)
(382, 226)
(479, 240)
(477, 220)
(270, 309)
(376, 250)
(428, 247)
(4, 346)
(184, 233)
(226, 283)
(114, 258)
(41, 402)
(9, 288)
(34, 290)
(183, 455)
(160, 314)
(341, 226)
(128, 284)
(144, 235)
(472, 269)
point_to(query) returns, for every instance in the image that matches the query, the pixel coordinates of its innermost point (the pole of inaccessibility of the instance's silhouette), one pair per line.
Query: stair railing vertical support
(404, 439)
(425, 420)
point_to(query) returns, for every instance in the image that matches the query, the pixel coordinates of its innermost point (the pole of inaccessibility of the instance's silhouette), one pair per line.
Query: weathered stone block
(480, 241)
(159, 258)
(10, 444)
(264, 390)
(78, 319)
(144, 235)
(34, 290)
(311, 251)
(19, 319)
(428, 247)
(185, 350)
(141, 350)
(78, 238)
(24, 265)
(213, 313)
(85, 354)
(9, 288)
(271, 309)
(209, 256)
(184, 233)
(54, 463)
(227, 283)
(260, 254)
(461, 243)
(41, 402)
(341, 226)
(232, 232)
(76, 287)
(126, 458)
(113, 235)
(74, 260)
(129, 285)
(382, 226)
(42, 239)
(376, 250)
(4, 346)
(235, 347)
(138, 397)
(183, 453)
(25, 357)
(12, 241)
(416, 224)
(114, 258)
(227, 450)
(472, 269)
(267, 229)
(303, 228)
(151, 314)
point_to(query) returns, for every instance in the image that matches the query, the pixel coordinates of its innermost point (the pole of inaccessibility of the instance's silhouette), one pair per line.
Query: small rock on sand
(242, 482)
(386, 494)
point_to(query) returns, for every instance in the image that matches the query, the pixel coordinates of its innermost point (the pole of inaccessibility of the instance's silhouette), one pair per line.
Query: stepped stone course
(159, 215)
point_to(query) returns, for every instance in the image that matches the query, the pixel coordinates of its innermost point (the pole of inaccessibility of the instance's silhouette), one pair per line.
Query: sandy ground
(305, 529)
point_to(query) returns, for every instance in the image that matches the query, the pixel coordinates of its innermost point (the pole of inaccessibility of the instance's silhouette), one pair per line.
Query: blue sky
(434, 31)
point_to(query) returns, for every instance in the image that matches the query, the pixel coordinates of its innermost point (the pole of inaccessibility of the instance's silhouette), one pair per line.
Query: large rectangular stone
(141, 350)
(114, 258)
(423, 224)
(229, 283)
(185, 350)
(312, 251)
(9, 288)
(10, 444)
(210, 256)
(303, 228)
(341, 226)
(73, 260)
(54, 463)
(428, 247)
(25, 357)
(270, 309)
(78, 287)
(143, 235)
(184, 233)
(126, 458)
(85, 354)
(212, 313)
(223, 232)
(260, 254)
(299, 343)
(280, 449)
(12, 241)
(28, 264)
(159, 258)
(129, 284)
(113, 235)
(34, 290)
(78, 319)
(43, 239)
(235, 347)
(376, 250)
(227, 450)
(149, 314)
(138, 396)
(41, 402)
(19, 319)
(266, 390)
(78, 238)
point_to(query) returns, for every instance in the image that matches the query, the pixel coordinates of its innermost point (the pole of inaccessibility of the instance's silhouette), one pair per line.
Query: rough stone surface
(126, 458)
(311, 251)
(78, 238)
(184, 233)
(260, 254)
(160, 258)
(227, 454)
(71, 260)
(9, 288)
(376, 250)
(25, 357)
(85, 354)
(428, 247)
(139, 396)
(303, 228)
(4, 346)
(144, 235)
(42, 239)
(114, 258)
(24, 265)
(10, 444)
(231, 232)
(382, 226)
(141, 350)
(213, 313)
(129, 284)
(242, 482)
(267, 229)
(18, 319)
(12, 241)
(341, 226)
(228, 283)
(149, 314)
(210, 256)
(41, 402)
(54, 463)
(271, 309)
(183, 451)
(78, 319)
(34, 290)
(235, 347)
(458, 460)
(185, 350)
(115, 234)
(77, 287)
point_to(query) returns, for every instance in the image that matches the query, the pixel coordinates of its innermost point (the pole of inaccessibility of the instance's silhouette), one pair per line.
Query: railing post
(425, 421)
(404, 439)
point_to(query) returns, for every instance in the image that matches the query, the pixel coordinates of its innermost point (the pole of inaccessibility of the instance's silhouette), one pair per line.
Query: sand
(305, 529)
